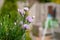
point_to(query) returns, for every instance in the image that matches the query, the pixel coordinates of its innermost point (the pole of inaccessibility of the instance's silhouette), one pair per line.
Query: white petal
(26, 8)
(33, 17)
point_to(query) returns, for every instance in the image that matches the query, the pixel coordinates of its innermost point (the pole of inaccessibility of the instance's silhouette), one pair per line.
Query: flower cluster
(27, 18)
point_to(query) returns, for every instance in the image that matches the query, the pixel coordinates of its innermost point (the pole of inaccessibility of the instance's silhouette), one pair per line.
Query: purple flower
(29, 19)
(22, 12)
(26, 26)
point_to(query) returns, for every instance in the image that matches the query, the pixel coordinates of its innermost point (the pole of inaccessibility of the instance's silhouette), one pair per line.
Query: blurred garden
(29, 19)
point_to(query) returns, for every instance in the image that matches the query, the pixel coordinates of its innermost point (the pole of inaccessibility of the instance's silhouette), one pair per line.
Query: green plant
(27, 35)
(10, 18)
(10, 29)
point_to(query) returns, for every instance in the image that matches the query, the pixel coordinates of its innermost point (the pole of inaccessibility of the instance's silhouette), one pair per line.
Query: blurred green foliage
(10, 28)
(27, 37)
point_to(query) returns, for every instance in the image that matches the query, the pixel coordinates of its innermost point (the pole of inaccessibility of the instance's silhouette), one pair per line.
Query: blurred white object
(15, 23)
(41, 29)
(1, 23)
(26, 8)
(21, 22)
(33, 17)
(18, 10)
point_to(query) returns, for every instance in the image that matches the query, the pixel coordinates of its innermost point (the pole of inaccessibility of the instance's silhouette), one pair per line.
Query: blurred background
(39, 10)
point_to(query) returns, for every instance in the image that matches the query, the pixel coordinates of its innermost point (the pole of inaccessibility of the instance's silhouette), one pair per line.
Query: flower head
(26, 26)
(26, 8)
(22, 12)
(29, 19)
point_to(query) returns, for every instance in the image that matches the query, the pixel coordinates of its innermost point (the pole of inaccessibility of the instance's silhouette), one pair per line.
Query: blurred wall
(1, 3)
(40, 11)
